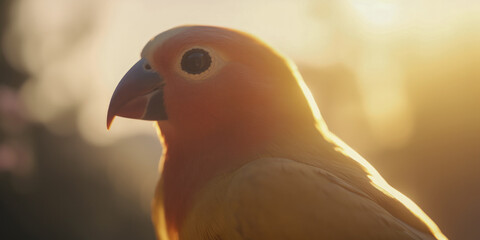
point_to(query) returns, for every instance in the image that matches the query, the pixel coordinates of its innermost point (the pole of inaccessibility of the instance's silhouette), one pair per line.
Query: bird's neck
(189, 163)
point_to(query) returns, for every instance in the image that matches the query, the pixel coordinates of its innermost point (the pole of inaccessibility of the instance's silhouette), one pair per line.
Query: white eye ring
(198, 63)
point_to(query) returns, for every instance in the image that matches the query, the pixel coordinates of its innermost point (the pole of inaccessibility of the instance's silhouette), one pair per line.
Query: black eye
(196, 61)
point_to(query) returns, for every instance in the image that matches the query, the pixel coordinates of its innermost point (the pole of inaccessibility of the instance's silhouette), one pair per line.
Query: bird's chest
(208, 218)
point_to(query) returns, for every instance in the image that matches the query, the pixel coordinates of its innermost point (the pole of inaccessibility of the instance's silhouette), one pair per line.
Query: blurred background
(399, 81)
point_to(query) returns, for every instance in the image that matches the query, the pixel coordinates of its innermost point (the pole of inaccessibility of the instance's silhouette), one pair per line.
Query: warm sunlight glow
(382, 185)
(380, 13)
(82, 72)
(398, 80)
(385, 98)
(310, 99)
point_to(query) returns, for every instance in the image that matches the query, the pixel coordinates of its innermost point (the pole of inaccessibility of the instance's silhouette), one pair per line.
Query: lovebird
(246, 153)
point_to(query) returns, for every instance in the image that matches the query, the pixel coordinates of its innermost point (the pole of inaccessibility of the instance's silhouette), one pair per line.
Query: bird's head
(200, 81)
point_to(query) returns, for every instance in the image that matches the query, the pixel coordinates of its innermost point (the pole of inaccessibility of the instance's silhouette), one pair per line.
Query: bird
(246, 152)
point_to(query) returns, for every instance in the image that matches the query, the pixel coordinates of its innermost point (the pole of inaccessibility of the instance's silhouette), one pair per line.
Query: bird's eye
(196, 61)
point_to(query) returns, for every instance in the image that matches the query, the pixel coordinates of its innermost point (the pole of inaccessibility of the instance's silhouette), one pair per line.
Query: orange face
(211, 82)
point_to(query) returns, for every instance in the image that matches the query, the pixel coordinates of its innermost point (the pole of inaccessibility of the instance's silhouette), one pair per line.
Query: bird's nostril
(147, 66)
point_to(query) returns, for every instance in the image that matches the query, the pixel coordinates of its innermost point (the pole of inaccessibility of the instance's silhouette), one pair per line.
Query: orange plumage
(236, 118)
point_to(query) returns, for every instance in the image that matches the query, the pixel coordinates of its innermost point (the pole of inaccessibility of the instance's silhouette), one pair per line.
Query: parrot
(246, 153)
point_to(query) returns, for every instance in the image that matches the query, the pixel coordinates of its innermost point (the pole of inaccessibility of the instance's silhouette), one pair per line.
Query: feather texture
(247, 154)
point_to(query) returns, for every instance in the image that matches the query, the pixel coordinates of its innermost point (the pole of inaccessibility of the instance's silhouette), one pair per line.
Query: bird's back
(273, 198)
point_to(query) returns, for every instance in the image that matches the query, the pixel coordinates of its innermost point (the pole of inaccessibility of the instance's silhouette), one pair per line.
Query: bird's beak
(139, 95)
